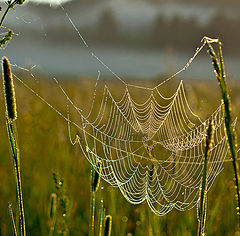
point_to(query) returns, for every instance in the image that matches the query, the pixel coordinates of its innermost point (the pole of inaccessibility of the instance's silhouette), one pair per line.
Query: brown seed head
(108, 225)
(209, 139)
(8, 87)
(97, 176)
(53, 206)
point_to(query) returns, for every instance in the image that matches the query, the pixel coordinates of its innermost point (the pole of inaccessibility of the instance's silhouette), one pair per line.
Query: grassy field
(45, 149)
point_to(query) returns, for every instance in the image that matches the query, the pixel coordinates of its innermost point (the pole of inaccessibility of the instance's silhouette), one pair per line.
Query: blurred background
(135, 38)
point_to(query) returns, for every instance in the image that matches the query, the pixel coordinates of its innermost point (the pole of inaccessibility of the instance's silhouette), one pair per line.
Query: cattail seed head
(53, 207)
(209, 139)
(97, 176)
(9, 93)
(108, 225)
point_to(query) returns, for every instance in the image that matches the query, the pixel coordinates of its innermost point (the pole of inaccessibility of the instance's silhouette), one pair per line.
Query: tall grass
(101, 218)
(39, 127)
(219, 68)
(94, 186)
(59, 208)
(11, 117)
(14, 228)
(202, 208)
(52, 213)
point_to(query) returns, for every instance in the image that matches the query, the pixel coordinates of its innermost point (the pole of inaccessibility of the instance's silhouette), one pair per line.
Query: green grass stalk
(62, 206)
(202, 208)
(94, 184)
(150, 229)
(52, 212)
(93, 198)
(219, 67)
(91, 205)
(14, 228)
(11, 116)
(101, 219)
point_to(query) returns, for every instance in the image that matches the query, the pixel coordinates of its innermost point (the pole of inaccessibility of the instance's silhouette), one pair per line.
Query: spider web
(151, 149)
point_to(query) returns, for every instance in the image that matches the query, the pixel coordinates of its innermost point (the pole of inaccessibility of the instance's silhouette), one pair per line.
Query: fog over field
(123, 32)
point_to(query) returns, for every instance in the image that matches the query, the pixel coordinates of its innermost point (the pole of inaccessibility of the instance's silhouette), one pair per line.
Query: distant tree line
(181, 33)
(178, 33)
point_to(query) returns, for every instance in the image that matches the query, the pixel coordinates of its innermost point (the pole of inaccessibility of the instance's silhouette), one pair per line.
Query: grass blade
(12, 219)
(202, 208)
(11, 115)
(52, 212)
(230, 131)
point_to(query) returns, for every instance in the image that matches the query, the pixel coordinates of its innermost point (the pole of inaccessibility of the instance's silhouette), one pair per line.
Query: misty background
(135, 38)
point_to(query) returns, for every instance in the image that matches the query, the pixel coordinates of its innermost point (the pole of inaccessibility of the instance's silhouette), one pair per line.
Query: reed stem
(52, 213)
(16, 162)
(203, 195)
(11, 116)
(219, 67)
(12, 219)
(101, 219)
(92, 205)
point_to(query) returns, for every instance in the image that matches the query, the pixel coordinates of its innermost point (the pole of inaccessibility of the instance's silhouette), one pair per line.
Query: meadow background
(43, 136)
(45, 149)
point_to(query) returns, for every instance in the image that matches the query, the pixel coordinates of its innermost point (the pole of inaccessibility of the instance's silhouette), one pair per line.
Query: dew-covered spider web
(153, 150)
(148, 144)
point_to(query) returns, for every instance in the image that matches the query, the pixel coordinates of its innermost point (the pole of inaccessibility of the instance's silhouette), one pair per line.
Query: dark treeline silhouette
(180, 33)
(107, 27)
